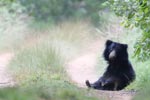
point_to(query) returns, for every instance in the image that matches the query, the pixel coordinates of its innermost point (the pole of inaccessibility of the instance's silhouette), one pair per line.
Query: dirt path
(5, 77)
(83, 68)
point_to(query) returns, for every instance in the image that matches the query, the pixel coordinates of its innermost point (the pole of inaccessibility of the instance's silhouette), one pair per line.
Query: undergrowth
(40, 64)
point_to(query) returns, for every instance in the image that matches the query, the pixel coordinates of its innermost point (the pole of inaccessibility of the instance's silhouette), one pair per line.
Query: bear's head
(115, 51)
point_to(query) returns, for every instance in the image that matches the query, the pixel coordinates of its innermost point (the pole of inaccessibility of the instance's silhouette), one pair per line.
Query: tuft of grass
(40, 61)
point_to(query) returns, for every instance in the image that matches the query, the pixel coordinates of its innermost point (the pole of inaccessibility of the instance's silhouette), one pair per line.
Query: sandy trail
(5, 77)
(83, 68)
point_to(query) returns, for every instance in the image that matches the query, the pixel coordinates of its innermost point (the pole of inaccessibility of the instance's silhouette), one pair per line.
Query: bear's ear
(108, 42)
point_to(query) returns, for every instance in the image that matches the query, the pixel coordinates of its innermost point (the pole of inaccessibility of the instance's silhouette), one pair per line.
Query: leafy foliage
(58, 10)
(136, 13)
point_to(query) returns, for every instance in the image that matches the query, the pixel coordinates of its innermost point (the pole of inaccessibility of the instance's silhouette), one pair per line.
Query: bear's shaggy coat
(119, 72)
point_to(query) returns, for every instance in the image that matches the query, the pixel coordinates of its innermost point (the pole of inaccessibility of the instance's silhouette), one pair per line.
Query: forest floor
(83, 68)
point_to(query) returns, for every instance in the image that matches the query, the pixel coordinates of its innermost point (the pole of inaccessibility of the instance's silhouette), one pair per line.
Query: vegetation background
(45, 34)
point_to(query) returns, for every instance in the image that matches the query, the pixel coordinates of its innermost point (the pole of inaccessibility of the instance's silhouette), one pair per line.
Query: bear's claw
(87, 83)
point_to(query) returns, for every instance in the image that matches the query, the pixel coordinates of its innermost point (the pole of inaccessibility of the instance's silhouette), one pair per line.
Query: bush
(136, 14)
(58, 10)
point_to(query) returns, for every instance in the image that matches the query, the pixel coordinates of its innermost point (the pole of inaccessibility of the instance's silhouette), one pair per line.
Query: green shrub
(136, 14)
(57, 10)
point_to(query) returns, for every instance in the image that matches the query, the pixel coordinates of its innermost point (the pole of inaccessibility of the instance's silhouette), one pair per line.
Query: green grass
(66, 92)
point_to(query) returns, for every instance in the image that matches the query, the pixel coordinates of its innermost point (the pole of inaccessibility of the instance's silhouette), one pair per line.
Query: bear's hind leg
(96, 85)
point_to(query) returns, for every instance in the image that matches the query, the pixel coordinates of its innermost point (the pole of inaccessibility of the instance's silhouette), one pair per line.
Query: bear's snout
(112, 55)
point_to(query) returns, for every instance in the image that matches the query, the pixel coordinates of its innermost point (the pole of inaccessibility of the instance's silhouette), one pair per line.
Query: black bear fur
(119, 72)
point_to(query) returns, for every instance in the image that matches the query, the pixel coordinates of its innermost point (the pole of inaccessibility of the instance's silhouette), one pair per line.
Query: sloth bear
(119, 72)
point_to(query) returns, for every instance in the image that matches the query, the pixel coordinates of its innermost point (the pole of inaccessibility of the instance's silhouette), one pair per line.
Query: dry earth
(5, 76)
